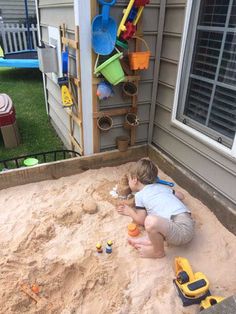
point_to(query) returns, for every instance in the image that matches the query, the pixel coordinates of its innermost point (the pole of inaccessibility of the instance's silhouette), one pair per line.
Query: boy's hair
(145, 171)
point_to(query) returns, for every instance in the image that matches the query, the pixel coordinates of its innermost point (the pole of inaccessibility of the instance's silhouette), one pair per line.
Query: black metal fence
(43, 157)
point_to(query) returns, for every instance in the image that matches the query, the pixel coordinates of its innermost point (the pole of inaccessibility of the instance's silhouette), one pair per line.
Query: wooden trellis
(133, 77)
(75, 112)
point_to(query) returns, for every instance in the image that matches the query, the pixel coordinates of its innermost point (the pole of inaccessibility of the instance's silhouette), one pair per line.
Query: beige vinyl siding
(51, 3)
(54, 13)
(13, 11)
(214, 168)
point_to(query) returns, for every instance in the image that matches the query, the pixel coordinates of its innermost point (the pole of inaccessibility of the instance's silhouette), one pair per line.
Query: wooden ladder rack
(75, 112)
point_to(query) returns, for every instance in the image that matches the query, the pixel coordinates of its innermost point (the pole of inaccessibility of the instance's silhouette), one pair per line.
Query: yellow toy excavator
(209, 301)
(192, 287)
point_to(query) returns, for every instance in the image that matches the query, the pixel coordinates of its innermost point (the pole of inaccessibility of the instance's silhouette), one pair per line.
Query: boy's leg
(157, 228)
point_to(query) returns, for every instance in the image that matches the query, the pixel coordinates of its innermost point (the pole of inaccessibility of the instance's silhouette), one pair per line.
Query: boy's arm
(138, 216)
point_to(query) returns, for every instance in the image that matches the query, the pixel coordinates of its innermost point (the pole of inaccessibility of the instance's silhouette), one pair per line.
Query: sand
(47, 239)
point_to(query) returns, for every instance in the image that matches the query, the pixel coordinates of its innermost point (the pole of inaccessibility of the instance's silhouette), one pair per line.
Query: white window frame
(229, 152)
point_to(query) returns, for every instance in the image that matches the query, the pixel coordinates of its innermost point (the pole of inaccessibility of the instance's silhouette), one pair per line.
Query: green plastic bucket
(29, 162)
(111, 69)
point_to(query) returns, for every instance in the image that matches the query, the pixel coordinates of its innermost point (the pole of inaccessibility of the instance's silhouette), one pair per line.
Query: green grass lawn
(25, 88)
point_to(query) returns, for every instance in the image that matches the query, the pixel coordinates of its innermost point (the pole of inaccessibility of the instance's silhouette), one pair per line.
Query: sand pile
(48, 237)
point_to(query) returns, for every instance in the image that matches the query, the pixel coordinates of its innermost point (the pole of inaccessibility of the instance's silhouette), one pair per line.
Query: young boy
(163, 215)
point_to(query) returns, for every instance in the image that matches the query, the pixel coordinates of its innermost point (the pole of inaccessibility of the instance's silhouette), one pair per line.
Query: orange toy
(35, 288)
(133, 230)
(139, 60)
(26, 289)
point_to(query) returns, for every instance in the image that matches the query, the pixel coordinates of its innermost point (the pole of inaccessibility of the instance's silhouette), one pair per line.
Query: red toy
(130, 31)
(141, 3)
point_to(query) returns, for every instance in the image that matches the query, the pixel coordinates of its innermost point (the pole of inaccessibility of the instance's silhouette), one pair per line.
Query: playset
(118, 66)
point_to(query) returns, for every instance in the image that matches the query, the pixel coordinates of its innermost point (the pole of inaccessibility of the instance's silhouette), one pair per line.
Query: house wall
(12, 11)
(53, 14)
(208, 164)
(215, 169)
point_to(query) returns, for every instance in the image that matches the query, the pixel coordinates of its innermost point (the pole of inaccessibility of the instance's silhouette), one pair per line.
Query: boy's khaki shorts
(181, 229)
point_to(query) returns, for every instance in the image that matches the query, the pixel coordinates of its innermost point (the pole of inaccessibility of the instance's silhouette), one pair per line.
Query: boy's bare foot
(147, 251)
(139, 241)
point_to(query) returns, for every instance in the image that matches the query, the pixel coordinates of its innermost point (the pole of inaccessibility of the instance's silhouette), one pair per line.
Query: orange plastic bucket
(139, 60)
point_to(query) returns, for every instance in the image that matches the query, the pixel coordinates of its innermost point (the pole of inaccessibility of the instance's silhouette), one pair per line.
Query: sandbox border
(224, 209)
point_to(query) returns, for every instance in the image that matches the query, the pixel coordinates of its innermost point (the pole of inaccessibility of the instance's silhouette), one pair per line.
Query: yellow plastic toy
(126, 12)
(192, 287)
(209, 301)
(66, 96)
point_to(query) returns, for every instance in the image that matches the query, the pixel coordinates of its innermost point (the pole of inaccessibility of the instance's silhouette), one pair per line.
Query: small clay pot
(129, 89)
(122, 143)
(131, 121)
(105, 123)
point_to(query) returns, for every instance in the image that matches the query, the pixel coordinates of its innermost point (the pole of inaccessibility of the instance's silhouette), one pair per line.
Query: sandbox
(48, 239)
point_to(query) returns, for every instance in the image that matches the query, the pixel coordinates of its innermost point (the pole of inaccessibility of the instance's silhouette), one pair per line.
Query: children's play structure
(19, 44)
(119, 64)
(118, 59)
(20, 59)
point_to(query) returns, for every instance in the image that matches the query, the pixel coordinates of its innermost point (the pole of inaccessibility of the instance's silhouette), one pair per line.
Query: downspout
(82, 12)
(156, 68)
(39, 40)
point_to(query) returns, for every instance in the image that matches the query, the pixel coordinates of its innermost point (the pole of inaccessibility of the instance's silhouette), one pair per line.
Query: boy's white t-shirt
(159, 200)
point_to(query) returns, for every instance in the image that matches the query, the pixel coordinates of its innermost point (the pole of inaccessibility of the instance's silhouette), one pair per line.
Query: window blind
(210, 96)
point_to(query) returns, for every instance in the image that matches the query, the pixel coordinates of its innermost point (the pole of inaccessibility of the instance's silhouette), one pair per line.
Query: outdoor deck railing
(17, 37)
(43, 157)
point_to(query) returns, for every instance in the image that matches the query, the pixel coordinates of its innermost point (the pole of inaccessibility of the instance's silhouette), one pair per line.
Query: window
(207, 94)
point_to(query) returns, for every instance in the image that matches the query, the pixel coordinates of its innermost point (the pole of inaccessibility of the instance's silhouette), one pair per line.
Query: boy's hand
(124, 210)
